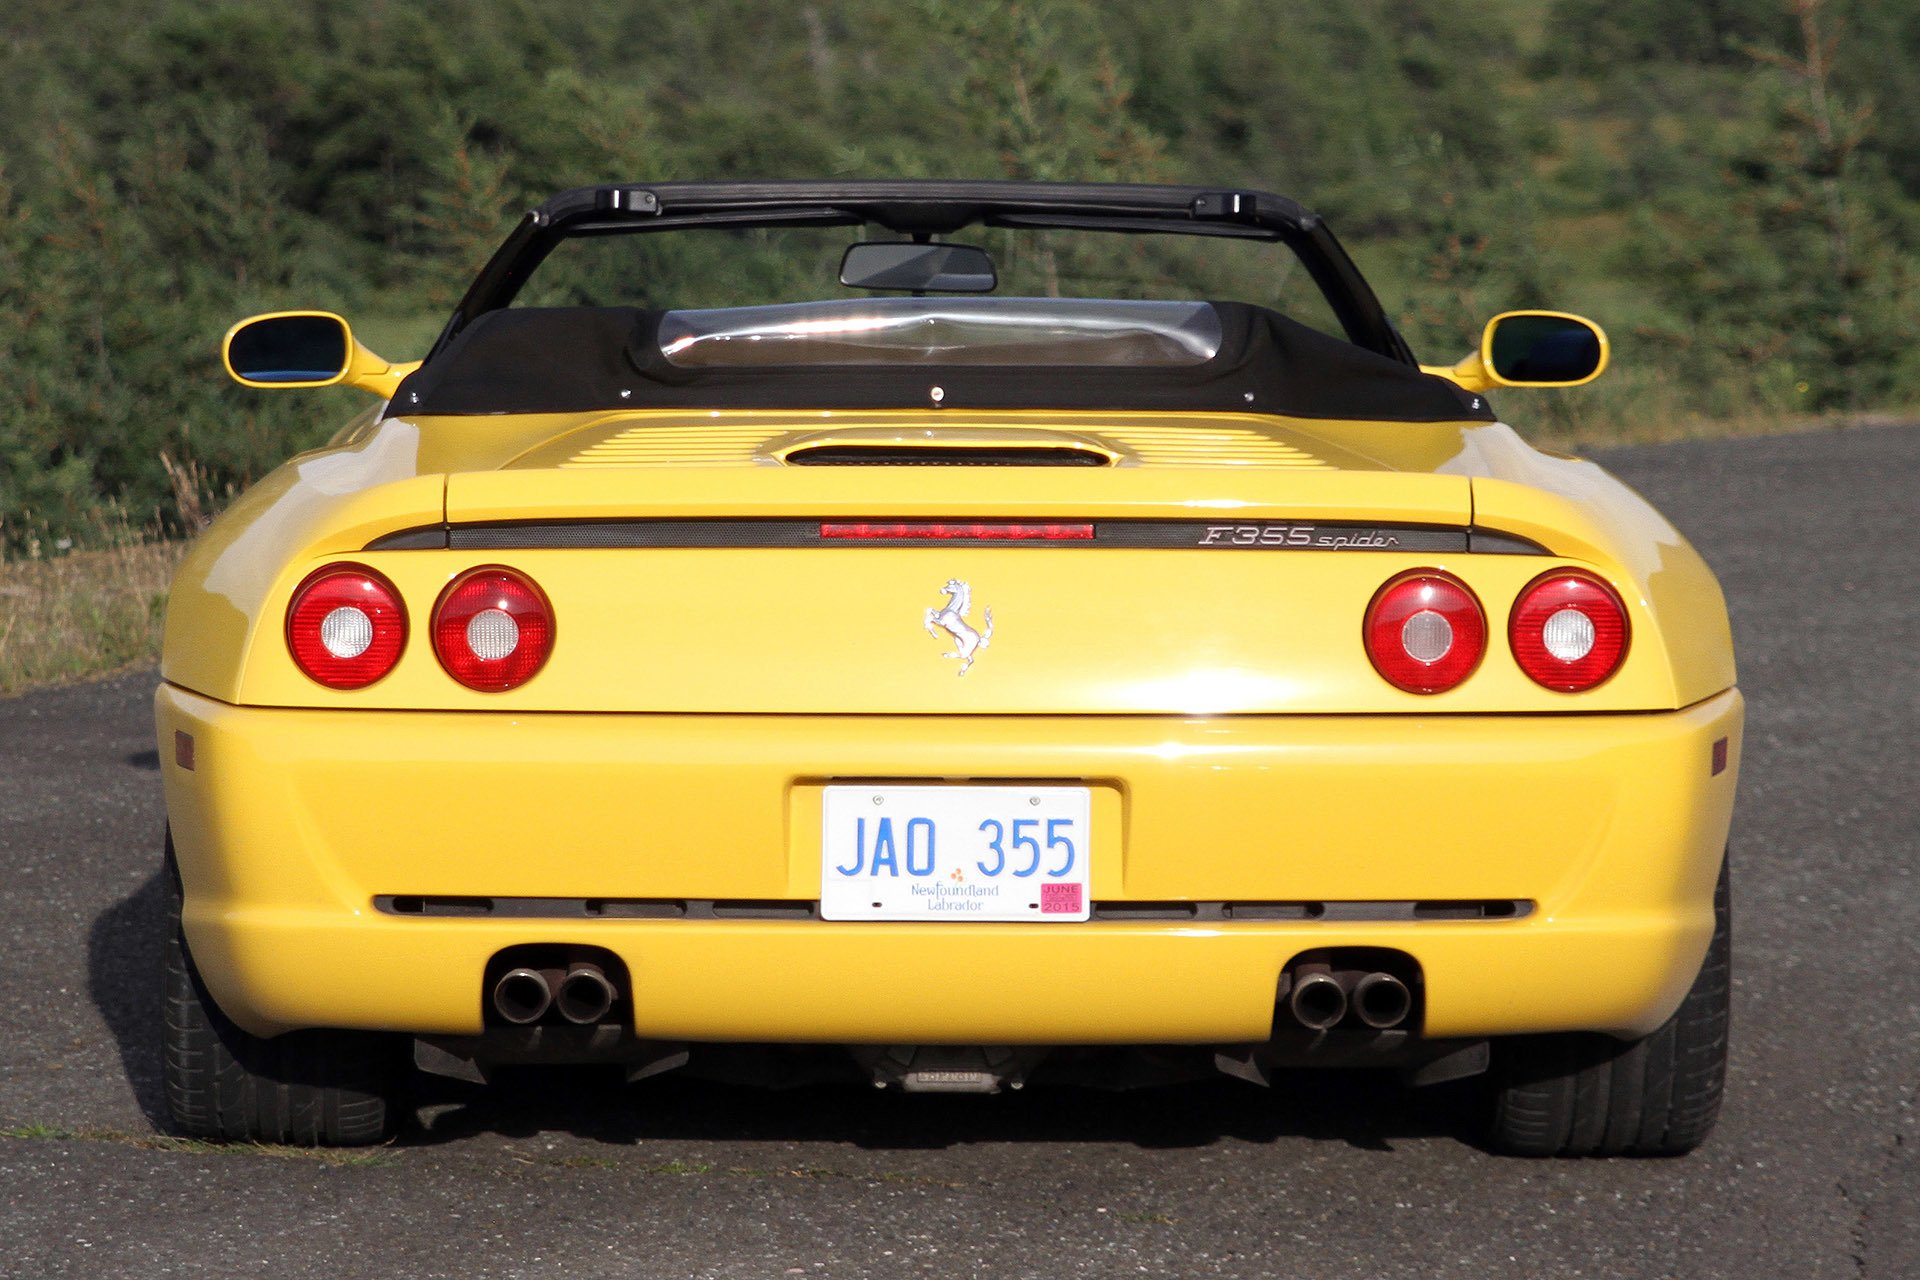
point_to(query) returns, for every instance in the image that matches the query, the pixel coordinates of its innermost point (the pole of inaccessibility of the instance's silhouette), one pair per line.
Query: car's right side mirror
(1542, 349)
(1532, 349)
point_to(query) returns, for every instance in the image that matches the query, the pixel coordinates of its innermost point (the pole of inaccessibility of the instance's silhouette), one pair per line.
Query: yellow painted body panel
(293, 820)
(1205, 440)
(1219, 703)
(839, 630)
(232, 588)
(1093, 630)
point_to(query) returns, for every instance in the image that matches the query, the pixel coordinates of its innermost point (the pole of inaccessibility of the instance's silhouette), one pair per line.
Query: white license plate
(956, 853)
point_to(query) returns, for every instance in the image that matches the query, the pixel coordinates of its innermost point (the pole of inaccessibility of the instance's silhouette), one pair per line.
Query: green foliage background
(1732, 187)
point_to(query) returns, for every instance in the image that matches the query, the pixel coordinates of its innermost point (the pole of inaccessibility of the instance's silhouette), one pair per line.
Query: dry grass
(82, 614)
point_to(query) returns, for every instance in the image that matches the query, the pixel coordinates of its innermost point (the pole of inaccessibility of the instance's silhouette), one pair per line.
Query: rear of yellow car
(706, 646)
(926, 740)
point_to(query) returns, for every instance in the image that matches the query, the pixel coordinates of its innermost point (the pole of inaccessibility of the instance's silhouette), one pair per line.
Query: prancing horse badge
(952, 619)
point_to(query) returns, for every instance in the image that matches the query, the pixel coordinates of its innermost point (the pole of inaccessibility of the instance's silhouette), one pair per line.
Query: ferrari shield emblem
(952, 619)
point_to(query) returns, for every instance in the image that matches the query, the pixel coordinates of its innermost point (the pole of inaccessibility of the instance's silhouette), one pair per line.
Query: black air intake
(854, 455)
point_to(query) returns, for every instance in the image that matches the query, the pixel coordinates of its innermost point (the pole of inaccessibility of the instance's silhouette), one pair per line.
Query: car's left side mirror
(1533, 349)
(287, 349)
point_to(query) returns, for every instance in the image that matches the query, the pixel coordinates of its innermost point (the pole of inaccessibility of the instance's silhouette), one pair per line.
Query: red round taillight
(346, 626)
(492, 629)
(1425, 632)
(1569, 630)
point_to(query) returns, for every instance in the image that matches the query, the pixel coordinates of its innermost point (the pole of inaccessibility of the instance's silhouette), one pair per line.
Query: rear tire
(305, 1088)
(1590, 1095)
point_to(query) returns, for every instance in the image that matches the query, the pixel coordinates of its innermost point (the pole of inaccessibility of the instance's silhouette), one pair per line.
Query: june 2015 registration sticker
(956, 853)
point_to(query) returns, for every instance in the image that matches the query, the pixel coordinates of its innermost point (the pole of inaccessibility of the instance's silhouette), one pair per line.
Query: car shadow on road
(1369, 1111)
(123, 980)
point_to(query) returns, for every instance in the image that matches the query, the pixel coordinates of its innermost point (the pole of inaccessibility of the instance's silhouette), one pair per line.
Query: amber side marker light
(492, 629)
(1425, 631)
(1569, 631)
(346, 627)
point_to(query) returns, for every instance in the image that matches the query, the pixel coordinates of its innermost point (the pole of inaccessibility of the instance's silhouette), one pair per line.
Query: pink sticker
(1060, 899)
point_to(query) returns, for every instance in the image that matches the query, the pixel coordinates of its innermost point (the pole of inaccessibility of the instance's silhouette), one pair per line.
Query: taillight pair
(1425, 631)
(492, 628)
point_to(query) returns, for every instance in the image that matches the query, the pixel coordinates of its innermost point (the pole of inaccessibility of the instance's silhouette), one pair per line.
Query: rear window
(944, 331)
(702, 268)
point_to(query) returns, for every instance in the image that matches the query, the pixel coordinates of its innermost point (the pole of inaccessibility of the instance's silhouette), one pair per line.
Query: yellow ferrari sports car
(948, 635)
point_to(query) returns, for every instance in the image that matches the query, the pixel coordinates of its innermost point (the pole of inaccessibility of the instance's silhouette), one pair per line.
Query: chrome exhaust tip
(1317, 1001)
(522, 996)
(1382, 1001)
(584, 995)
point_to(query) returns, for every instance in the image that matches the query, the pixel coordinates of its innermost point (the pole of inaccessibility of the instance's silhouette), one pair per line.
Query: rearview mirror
(289, 349)
(919, 268)
(1542, 349)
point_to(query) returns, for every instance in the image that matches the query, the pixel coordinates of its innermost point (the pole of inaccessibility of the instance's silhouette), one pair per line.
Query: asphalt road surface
(1814, 1171)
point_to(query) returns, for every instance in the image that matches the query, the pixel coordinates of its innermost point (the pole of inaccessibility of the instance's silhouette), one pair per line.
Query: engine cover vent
(859, 455)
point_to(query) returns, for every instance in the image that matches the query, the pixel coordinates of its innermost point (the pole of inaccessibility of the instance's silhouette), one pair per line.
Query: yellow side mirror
(290, 349)
(1532, 349)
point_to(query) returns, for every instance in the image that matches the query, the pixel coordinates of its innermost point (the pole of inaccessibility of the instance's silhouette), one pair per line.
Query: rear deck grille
(841, 455)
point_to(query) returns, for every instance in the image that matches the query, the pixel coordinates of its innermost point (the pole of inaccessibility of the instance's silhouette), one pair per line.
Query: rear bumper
(291, 822)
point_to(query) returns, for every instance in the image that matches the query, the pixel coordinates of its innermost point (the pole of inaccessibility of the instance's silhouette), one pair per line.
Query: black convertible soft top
(581, 359)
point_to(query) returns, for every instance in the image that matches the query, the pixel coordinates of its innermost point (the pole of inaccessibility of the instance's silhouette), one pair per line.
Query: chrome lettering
(1292, 535)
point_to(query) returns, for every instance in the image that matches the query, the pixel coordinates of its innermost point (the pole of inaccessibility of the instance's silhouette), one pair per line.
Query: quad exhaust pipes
(581, 994)
(1321, 997)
